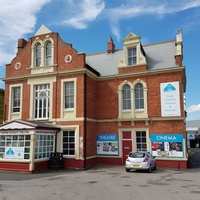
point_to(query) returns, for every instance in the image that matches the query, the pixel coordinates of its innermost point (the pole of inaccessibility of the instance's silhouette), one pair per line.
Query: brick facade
(97, 97)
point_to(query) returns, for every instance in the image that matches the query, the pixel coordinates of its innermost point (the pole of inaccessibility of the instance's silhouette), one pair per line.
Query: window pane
(139, 96)
(42, 97)
(132, 56)
(37, 55)
(141, 142)
(68, 95)
(16, 93)
(44, 147)
(69, 142)
(126, 97)
(48, 54)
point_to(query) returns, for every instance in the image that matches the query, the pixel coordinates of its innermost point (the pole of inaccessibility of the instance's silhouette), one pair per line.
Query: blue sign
(166, 137)
(167, 145)
(107, 144)
(107, 137)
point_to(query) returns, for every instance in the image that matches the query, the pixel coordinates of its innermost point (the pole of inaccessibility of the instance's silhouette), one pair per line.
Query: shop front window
(15, 146)
(44, 146)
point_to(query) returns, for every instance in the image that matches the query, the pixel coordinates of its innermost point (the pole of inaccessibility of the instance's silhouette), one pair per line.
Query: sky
(88, 24)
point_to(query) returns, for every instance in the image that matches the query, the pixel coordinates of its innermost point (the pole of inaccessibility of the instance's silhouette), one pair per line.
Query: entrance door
(126, 144)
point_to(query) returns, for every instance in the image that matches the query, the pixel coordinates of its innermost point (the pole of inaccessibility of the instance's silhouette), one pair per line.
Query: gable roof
(43, 30)
(27, 125)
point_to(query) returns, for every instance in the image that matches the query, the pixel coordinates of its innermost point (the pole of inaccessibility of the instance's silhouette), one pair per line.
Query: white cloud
(135, 8)
(193, 109)
(85, 11)
(17, 18)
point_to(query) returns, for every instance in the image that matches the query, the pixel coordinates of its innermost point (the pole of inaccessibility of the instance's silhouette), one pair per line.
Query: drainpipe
(85, 118)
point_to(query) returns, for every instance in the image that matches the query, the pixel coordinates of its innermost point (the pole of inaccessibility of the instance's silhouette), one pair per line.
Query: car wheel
(127, 170)
(149, 170)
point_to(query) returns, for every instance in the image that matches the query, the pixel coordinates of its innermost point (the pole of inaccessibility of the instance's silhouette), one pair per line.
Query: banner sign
(14, 152)
(170, 99)
(107, 144)
(167, 145)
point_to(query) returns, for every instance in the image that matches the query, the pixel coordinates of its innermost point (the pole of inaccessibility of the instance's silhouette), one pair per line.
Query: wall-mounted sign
(167, 145)
(14, 152)
(170, 99)
(107, 144)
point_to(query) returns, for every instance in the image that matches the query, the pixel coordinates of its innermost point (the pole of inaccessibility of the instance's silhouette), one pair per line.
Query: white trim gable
(43, 30)
(15, 125)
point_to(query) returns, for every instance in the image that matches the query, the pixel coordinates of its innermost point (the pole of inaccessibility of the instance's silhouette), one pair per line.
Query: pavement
(101, 182)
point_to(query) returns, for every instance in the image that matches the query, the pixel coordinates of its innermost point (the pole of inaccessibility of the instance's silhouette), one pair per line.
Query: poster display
(107, 144)
(14, 152)
(170, 99)
(167, 145)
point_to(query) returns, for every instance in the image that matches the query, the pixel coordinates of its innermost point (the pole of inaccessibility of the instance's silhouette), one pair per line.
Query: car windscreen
(137, 155)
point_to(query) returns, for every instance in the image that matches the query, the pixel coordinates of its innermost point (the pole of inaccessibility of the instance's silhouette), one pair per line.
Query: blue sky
(88, 24)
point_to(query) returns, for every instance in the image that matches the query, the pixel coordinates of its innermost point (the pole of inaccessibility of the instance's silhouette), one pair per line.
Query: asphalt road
(101, 182)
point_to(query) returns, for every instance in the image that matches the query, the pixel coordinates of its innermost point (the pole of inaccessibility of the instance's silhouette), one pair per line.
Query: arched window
(38, 55)
(126, 97)
(48, 54)
(139, 96)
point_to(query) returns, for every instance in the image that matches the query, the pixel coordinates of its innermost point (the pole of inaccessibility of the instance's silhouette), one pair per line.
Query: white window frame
(16, 99)
(13, 140)
(132, 113)
(44, 145)
(132, 55)
(42, 81)
(69, 113)
(43, 68)
(15, 115)
(126, 97)
(77, 141)
(48, 53)
(69, 95)
(44, 100)
(37, 53)
(140, 97)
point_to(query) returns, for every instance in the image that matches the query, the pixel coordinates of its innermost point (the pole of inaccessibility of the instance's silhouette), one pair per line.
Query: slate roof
(158, 56)
(193, 124)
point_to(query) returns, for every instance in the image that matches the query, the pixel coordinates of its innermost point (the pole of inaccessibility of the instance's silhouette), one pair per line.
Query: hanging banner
(167, 145)
(170, 99)
(107, 144)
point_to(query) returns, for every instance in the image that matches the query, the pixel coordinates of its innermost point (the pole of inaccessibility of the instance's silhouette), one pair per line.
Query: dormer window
(37, 54)
(48, 54)
(132, 56)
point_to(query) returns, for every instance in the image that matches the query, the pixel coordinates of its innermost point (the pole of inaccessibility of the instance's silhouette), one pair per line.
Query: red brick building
(93, 109)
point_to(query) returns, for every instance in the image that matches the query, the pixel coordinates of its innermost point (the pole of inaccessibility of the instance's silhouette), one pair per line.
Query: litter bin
(56, 161)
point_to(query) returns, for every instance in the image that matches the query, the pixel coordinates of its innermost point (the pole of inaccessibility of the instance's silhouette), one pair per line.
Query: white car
(140, 160)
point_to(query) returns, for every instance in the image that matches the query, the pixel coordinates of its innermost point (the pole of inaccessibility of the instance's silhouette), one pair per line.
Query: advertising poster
(170, 99)
(14, 152)
(167, 145)
(107, 144)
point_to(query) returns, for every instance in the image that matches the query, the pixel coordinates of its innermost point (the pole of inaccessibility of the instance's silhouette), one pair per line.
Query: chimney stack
(179, 49)
(21, 44)
(110, 46)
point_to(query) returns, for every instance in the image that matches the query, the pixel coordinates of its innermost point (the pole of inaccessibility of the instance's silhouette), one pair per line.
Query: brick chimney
(21, 44)
(110, 46)
(179, 49)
